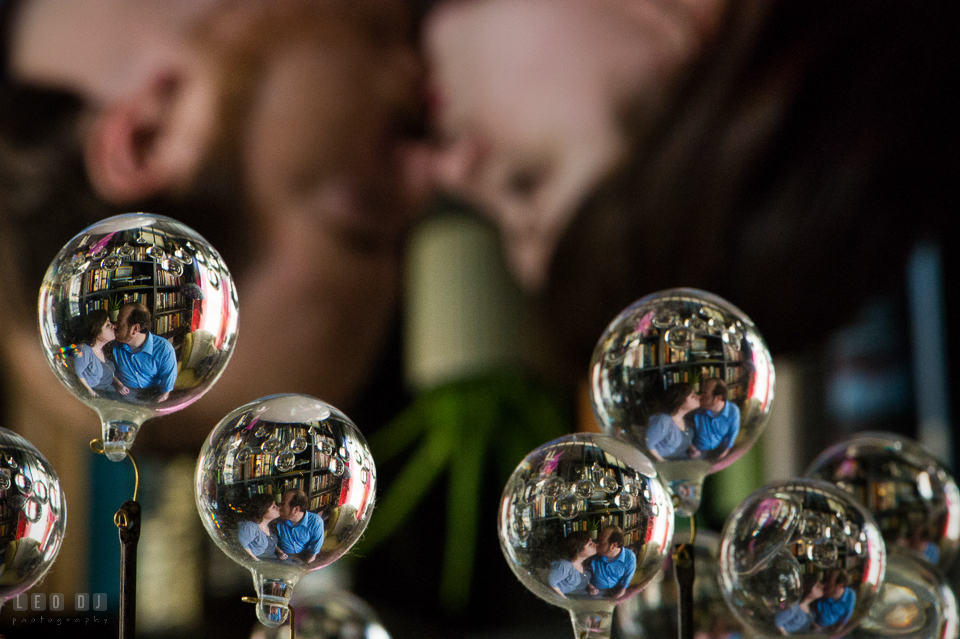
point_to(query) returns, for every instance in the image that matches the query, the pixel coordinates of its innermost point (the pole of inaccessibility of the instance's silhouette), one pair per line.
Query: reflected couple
(125, 360)
(823, 605)
(296, 538)
(603, 568)
(691, 424)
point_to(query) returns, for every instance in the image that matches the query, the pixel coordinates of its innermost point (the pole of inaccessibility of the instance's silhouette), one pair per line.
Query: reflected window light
(923, 485)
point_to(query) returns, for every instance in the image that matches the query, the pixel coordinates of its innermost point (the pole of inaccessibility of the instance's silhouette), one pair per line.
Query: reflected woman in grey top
(92, 365)
(570, 575)
(256, 534)
(670, 434)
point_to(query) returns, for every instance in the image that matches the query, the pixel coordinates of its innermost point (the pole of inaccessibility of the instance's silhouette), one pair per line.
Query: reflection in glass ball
(329, 615)
(915, 602)
(653, 613)
(284, 518)
(684, 376)
(130, 338)
(33, 515)
(557, 557)
(781, 583)
(912, 496)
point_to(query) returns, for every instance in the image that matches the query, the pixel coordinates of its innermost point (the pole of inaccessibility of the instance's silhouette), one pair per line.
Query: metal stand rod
(129, 515)
(127, 520)
(683, 570)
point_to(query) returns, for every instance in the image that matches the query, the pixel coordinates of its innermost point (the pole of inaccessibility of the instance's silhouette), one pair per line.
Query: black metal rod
(683, 570)
(128, 521)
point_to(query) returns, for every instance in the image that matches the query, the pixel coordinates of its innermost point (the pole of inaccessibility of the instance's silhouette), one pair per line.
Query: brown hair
(93, 324)
(616, 535)
(298, 499)
(719, 388)
(258, 506)
(794, 146)
(139, 314)
(573, 544)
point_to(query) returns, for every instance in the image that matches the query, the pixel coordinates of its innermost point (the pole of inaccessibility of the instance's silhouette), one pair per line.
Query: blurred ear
(133, 150)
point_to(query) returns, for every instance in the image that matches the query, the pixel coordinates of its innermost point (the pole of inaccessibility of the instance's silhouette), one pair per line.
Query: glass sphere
(333, 614)
(915, 602)
(685, 377)
(778, 580)
(284, 518)
(33, 515)
(912, 496)
(653, 613)
(585, 553)
(138, 318)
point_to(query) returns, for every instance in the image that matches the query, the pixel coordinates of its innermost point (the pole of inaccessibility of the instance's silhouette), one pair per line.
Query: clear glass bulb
(331, 614)
(913, 496)
(138, 318)
(33, 512)
(915, 602)
(779, 580)
(685, 377)
(654, 612)
(585, 552)
(279, 512)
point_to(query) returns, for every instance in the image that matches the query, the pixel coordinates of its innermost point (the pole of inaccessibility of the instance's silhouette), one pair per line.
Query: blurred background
(836, 235)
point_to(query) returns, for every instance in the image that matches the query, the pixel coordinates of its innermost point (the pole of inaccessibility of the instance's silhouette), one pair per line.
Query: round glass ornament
(552, 534)
(778, 580)
(685, 377)
(33, 512)
(653, 613)
(278, 512)
(332, 614)
(914, 602)
(138, 318)
(913, 497)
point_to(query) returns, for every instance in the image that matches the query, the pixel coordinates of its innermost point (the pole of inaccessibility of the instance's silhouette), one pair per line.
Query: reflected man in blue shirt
(144, 360)
(717, 423)
(301, 531)
(613, 565)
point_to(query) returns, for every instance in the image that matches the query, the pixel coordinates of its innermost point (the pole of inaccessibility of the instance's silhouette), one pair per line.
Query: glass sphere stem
(592, 624)
(118, 436)
(273, 600)
(293, 619)
(686, 496)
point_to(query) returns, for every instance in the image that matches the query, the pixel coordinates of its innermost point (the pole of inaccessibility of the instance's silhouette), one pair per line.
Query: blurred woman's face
(528, 99)
(589, 549)
(107, 333)
(692, 402)
(272, 513)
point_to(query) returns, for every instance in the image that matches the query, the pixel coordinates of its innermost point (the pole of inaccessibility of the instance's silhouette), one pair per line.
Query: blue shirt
(614, 573)
(306, 537)
(712, 430)
(567, 579)
(666, 439)
(153, 366)
(831, 611)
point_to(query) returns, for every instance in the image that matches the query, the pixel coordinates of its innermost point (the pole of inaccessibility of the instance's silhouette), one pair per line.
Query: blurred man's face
(307, 100)
(286, 510)
(318, 102)
(124, 331)
(708, 400)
